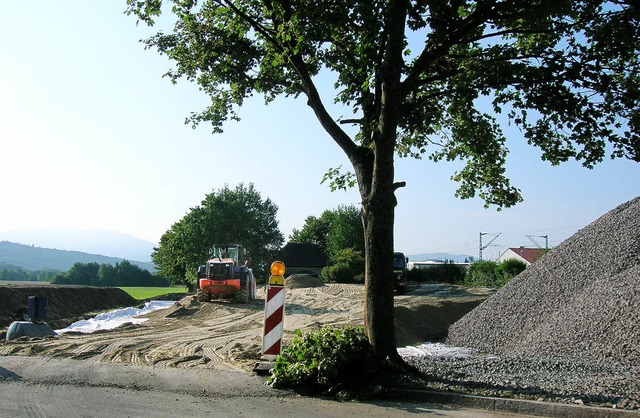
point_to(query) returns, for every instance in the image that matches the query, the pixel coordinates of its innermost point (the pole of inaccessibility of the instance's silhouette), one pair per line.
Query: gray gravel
(567, 328)
(535, 378)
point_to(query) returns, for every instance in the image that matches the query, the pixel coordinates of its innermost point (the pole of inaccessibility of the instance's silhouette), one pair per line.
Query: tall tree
(566, 73)
(229, 216)
(334, 231)
(314, 231)
(346, 231)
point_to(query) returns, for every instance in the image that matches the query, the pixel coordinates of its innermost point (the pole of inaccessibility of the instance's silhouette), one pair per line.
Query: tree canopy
(435, 79)
(238, 216)
(333, 231)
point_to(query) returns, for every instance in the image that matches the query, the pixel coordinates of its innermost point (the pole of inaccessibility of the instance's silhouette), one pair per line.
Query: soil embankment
(65, 303)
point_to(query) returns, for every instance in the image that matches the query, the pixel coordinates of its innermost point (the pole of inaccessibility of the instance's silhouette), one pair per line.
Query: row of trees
(21, 275)
(122, 273)
(240, 215)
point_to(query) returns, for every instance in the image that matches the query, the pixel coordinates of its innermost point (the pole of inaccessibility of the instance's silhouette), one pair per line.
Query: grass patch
(141, 293)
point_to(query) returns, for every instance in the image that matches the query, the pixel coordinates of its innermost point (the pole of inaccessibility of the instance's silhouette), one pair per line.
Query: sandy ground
(221, 334)
(194, 359)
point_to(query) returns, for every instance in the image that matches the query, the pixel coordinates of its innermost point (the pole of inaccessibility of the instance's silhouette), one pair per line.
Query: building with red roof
(526, 255)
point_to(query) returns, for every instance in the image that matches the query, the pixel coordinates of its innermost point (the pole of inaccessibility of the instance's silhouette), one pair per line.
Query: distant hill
(95, 241)
(458, 258)
(31, 257)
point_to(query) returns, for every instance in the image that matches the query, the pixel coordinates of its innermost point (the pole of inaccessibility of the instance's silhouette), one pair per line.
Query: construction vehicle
(399, 272)
(304, 258)
(224, 278)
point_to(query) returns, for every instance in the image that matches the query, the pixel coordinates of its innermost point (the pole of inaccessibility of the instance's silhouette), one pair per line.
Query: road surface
(36, 386)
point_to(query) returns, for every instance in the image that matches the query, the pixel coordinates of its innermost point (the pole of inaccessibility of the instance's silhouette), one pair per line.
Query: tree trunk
(375, 171)
(378, 298)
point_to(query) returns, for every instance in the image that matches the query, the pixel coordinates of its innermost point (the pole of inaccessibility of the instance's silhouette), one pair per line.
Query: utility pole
(489, 243)
(546, 240)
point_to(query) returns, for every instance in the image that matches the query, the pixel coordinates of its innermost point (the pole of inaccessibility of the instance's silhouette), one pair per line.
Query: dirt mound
(296, 281)
(579, 301)
(65, 303)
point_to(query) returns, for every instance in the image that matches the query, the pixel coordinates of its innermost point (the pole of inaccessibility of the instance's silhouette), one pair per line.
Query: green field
(150, 292)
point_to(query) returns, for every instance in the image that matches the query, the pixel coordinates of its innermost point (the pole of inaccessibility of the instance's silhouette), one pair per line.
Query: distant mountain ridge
(458, 258)
(31, 257)
(94, 241)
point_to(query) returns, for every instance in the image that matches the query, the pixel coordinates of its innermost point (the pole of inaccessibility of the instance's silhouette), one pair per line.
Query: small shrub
(483, 273)
(491, 274)
(351, 257)
(326, 360)
(338, 273)
(511, 268)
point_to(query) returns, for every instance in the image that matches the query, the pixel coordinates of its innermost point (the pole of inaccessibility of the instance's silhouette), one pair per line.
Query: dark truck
(304, 259)
(399, 272)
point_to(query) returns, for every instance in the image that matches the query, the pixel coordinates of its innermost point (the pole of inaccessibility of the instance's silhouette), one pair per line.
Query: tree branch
(501, 33)
(432, 51)
(314, 101)
(254, 23)
(399, 184)
(359, 121)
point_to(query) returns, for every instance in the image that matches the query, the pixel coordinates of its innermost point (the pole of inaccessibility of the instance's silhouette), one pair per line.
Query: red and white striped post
(274, 313)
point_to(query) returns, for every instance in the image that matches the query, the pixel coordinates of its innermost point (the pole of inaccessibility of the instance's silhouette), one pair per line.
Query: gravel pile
(580, 301)
(566, 329)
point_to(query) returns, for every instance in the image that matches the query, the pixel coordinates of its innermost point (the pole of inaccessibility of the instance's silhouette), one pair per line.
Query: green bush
(483, 273)
(326, 361)
(492, 274)
(338, 273)
(347, 266)
(511, 268)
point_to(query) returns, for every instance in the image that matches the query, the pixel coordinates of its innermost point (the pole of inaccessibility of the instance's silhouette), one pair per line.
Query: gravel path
(535, 378)
(567, 328)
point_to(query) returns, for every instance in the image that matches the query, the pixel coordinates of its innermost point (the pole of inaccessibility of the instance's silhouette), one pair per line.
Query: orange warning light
(277, 268)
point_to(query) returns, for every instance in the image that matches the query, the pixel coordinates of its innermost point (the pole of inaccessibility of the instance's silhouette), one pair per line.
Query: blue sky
(92, 137)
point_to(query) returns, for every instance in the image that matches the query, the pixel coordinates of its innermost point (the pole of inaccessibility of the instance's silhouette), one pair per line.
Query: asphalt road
(36, 386)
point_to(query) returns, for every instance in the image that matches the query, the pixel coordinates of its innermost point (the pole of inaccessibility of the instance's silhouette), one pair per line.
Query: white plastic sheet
(439, 350)
(112, 319)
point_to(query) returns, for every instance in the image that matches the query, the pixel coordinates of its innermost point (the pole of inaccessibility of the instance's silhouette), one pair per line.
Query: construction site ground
(191, 342)
(203, 335)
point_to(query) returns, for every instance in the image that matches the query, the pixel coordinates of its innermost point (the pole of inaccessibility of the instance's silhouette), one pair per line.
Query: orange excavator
(223, 278)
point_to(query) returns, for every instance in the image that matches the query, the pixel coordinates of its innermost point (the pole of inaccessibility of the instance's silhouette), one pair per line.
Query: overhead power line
(546, 240)
(489, 243)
